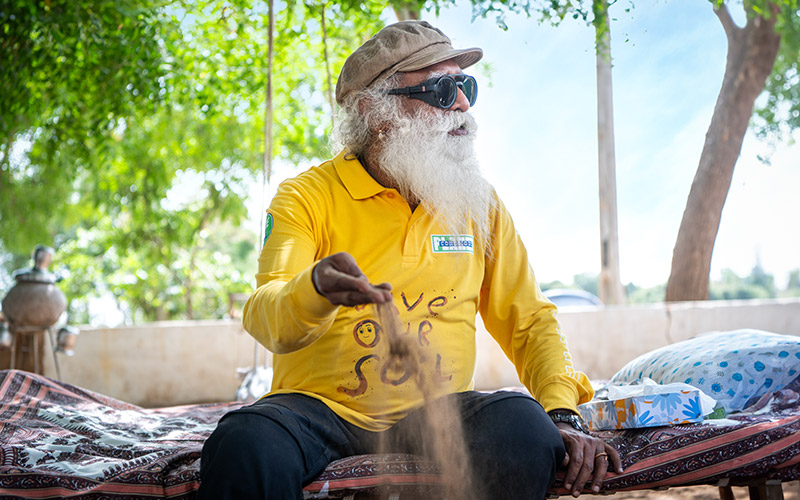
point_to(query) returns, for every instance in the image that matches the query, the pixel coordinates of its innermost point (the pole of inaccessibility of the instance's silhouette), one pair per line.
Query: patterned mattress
(60, 441)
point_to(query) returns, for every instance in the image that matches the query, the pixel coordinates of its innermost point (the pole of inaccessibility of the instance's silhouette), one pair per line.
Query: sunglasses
(442, 91)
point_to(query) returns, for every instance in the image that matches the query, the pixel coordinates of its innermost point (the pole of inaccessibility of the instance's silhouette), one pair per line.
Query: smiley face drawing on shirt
(367, 333)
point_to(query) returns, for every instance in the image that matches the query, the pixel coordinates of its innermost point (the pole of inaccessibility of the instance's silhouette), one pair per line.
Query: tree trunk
(751, 56)
(327, 66)
(6, 161)
(266, 165)
(405, 10)
(609, 287)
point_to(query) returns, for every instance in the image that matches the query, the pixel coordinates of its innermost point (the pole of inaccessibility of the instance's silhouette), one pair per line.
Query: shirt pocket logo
(452, 243)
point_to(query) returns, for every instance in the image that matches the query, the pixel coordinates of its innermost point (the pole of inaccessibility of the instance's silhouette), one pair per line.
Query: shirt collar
(355, 177)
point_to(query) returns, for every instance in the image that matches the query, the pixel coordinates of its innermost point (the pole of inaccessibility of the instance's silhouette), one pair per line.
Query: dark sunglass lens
(446, 92)
(470, 89)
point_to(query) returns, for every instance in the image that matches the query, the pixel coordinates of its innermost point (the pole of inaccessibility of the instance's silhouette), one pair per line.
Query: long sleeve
(524, 323)
(285, 313)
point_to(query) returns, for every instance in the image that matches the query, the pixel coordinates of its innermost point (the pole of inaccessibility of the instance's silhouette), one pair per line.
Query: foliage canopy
(131, 131)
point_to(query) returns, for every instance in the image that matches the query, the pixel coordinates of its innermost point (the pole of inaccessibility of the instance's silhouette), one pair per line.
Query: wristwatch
(568, 418)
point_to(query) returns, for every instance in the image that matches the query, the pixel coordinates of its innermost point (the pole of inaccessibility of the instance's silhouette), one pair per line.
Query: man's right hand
(338, 278)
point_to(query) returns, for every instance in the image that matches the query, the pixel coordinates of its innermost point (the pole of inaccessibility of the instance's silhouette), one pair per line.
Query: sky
(537, 141)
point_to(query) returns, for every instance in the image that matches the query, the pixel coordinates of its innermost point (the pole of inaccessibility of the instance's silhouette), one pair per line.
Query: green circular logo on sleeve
(268, 228)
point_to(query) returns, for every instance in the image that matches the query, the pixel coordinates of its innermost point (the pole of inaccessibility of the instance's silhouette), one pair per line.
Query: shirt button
(390, 195)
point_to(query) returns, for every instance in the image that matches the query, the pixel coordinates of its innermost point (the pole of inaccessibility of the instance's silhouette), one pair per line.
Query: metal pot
(5, 336)
(67, 338)
(35, 300)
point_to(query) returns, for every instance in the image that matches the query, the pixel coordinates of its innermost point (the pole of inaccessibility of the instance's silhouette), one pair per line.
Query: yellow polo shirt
(439, 282)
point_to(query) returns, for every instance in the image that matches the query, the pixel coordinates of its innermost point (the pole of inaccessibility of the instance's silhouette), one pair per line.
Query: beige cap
(403, 46)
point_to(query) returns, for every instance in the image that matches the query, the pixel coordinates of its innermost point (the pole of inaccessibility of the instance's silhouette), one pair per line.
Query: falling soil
(442, 438)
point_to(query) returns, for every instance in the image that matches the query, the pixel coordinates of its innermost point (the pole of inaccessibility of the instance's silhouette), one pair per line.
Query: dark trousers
(271, 449)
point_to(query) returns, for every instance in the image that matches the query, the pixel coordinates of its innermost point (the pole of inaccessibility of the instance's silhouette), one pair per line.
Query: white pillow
(734, 367)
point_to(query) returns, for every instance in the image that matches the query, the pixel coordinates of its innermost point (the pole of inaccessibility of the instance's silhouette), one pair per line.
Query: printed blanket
(61, 441)
(742, 451)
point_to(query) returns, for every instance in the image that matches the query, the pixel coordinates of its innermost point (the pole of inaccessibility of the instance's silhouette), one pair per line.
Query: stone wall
(159, 364)
(602, 340)
(172, 363)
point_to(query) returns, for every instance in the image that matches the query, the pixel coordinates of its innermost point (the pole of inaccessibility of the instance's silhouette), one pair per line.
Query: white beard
(440, 170)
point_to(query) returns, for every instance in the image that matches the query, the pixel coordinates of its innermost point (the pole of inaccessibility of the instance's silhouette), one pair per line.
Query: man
(403, 205)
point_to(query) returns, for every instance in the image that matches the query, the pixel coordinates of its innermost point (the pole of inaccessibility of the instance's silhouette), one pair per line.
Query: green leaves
(132, 130)
(70, 68)
(779, 112)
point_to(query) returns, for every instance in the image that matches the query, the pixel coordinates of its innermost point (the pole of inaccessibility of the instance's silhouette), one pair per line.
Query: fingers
(351, 299)
(616, 461)
(339, 279)
(584, 467)
(345, 263)
(589, 458)
(575, 459)
(606, 459)
(600, 469)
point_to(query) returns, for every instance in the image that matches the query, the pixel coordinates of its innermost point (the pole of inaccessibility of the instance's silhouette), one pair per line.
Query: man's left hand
(587, 457)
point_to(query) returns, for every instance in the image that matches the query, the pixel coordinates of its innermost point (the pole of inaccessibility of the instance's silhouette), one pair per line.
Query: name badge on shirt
(452, 243)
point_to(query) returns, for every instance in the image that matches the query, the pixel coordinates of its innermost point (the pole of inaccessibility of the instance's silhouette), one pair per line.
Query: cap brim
(434, 55)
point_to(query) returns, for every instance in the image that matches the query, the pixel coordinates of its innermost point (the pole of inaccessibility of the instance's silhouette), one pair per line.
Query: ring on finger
(601, 454)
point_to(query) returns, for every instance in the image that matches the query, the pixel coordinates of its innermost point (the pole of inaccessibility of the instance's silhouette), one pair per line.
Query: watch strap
(568, 417)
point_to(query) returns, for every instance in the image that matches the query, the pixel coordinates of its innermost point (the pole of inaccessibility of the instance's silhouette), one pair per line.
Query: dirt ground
(791, 491)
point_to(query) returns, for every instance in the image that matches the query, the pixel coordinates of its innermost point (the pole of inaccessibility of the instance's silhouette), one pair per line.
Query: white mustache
(444, 122)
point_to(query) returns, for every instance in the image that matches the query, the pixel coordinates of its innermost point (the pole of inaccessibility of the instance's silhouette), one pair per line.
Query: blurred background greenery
(132, 134)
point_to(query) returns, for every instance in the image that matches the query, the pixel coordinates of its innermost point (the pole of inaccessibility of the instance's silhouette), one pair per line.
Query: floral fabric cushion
(734, 367)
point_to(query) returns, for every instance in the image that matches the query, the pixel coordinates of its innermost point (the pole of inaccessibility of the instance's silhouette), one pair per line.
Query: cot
(61, 441)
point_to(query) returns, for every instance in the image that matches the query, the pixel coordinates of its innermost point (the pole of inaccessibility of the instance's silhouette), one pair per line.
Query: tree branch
(188, 283)
(327, 65)
(727, 22)
(6, 160)
(5, 163)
